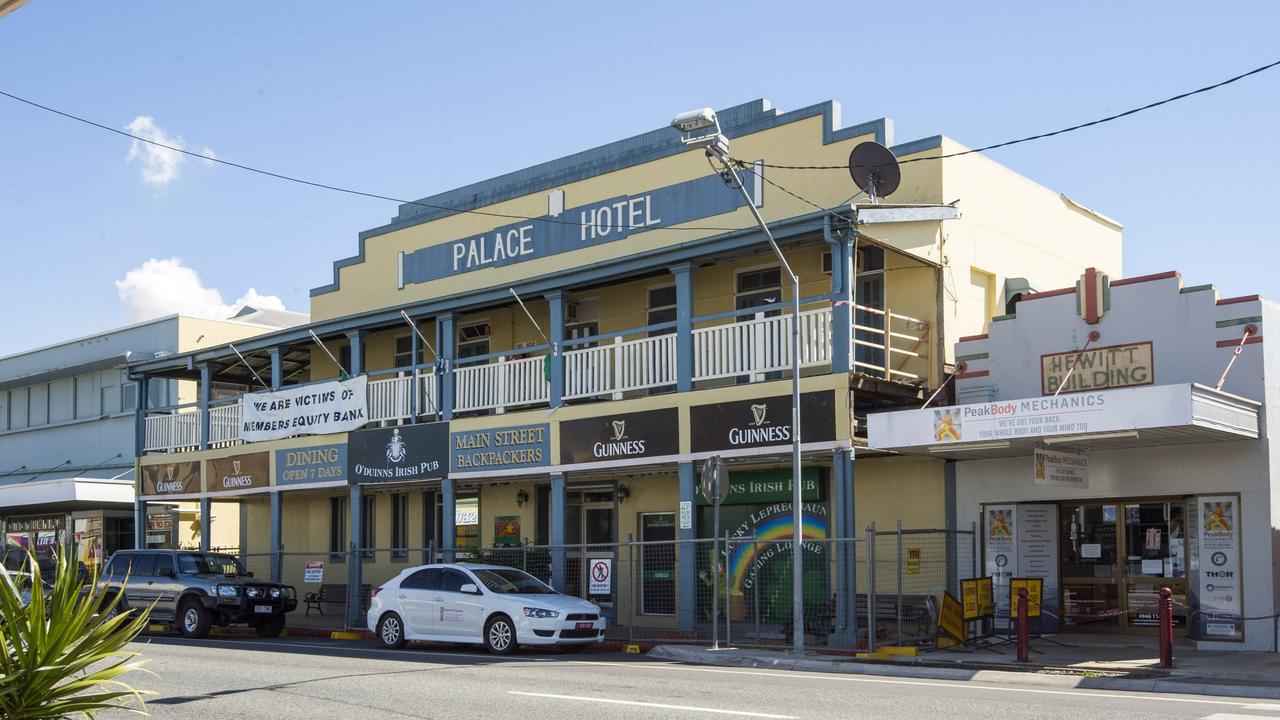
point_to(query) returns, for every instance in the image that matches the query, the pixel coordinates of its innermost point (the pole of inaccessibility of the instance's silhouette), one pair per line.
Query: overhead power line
(1041, 136)
(326, 186)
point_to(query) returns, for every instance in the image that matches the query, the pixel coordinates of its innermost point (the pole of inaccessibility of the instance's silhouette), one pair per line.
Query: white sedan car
(498, 607)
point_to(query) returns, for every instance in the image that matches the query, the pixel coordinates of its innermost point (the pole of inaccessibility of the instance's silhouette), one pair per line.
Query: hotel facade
(542, 360)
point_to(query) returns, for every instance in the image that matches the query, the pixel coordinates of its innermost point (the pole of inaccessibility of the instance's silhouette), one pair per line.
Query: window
(430, 521)
(452, 580)
(129, 396)
(428, 579)
(39, 407)
(344, 358)
(662, 308)
(143, 565)
(581, 330)
(399, 526)
(759, 287)
(473, 340)
(404, 352)
(87, 401)
(337, 529)
(368, 526)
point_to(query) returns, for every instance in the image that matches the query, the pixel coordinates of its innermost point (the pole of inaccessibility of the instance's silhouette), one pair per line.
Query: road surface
(237, 678)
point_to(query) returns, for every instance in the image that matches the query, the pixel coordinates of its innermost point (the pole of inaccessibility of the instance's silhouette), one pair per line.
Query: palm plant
(62, 649)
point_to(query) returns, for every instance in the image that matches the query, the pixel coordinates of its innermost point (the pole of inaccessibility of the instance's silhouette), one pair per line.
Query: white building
(67, 427)
(1146, 470)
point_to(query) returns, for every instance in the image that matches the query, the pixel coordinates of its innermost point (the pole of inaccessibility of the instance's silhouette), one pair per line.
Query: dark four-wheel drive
(195, 591)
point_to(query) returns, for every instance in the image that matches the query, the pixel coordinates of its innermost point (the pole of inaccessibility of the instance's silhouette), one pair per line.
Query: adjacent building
(541, 359)
(68, 414)
(1111, 440)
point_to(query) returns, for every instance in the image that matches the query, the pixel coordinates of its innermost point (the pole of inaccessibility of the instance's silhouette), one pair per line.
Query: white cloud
(208, 153)
(163, 287)
(160, 165)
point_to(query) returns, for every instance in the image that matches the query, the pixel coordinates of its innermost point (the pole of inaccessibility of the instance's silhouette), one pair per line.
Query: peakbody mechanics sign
(327, 407)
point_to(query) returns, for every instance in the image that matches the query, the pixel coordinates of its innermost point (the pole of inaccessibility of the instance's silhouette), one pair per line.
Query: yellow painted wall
(889, 489)
(372, 284)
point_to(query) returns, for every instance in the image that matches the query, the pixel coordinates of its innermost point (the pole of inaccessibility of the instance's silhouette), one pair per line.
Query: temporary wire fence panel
(741, 594)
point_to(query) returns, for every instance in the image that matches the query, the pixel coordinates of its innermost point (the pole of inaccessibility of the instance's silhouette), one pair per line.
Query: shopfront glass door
(1115, 558)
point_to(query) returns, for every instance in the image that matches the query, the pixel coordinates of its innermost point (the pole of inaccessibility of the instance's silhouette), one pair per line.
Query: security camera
(704, 119)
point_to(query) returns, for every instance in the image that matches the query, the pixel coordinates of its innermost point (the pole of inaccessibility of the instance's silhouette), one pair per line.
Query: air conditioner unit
(826, 263)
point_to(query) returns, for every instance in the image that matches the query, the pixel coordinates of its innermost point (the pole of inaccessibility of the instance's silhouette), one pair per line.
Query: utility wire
(1041, 136)
(325, 186)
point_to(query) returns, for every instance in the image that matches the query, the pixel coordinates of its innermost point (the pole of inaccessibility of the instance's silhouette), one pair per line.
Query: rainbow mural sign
(773, 536)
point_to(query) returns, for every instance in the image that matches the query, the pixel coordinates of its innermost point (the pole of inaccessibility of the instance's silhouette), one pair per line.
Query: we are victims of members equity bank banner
(327, 407)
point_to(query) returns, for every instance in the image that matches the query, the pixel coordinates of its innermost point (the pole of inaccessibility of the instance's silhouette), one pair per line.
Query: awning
(66, 494)
(1100, 420)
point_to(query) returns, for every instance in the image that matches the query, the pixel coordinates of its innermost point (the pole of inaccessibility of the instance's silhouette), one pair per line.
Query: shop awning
(66, 494)
(1096, 420)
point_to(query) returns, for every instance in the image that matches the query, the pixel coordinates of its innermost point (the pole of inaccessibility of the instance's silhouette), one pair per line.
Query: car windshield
(512, 582)
(209, 563)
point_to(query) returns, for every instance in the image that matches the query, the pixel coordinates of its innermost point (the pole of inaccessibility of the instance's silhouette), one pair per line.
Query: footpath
(1081, 662)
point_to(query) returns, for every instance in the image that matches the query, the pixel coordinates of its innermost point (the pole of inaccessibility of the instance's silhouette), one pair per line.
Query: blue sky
(408, 99)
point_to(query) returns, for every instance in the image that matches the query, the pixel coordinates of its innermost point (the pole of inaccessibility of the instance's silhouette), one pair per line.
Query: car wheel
(500, 635)
(194, 620)
(270, 628)
(391, 631)
(574, 648)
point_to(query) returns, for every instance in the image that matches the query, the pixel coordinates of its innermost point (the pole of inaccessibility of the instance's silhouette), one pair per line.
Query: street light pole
(797, 512)
(701, 129)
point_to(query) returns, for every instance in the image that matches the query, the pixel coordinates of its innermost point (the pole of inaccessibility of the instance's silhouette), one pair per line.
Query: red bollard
(1023, 645)
(1166, 628)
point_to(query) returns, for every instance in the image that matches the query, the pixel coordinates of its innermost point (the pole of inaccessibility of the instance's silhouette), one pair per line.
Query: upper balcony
(636, 336)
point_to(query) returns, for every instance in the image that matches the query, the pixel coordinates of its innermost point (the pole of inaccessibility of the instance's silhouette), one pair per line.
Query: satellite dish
(874, 169)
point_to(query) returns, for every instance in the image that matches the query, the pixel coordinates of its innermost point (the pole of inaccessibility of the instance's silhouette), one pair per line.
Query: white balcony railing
(760, 345)
(884, 344)
(173, 430)
(224, 424)
(502, 384)
(614, 368)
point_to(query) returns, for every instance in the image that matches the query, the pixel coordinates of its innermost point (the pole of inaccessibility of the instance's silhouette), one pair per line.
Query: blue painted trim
(355, 567)
(688, 584)
(950, 511)
(356, 338)
(701, 249)
(737, 121)
(277, 367)
(480, 359)
(446, 343)
(277, 536)
(559, 499)
(841, 291)
(915, 146)
(206, 376)
(448, 518)
(684, 326)
(206, 516)
(140, 433)
(555, 303)
(588, 339)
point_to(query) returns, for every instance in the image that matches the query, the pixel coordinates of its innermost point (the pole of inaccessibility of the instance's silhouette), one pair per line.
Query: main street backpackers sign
(317, 409)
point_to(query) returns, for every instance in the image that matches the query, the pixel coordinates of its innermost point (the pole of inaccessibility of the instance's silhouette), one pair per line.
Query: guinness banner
(239, 472)
(761, 423)
(178, 478)
(397, 454)
(650, 433)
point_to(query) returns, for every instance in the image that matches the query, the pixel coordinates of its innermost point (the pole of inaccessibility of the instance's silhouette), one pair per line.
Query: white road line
(1233, 716)
(664, 706)
(1263, 707)
(968, 685)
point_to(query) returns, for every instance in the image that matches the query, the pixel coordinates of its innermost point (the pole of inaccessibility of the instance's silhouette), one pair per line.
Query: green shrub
(62, 652)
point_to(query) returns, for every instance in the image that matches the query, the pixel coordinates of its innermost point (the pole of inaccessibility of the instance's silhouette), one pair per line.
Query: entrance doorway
(591, 524)
(1115, 557)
